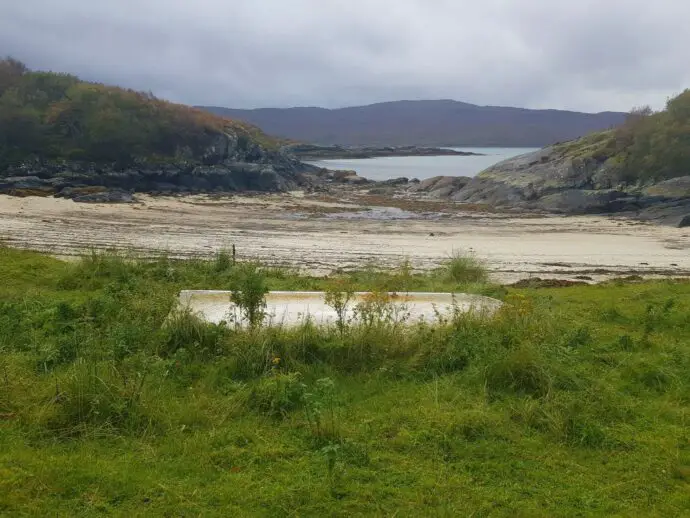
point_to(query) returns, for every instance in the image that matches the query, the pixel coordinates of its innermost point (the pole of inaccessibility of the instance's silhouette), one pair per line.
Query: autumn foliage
(57, 116)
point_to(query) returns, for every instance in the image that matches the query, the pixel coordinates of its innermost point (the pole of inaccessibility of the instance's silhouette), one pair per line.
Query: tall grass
(113, 400)
(466, 269)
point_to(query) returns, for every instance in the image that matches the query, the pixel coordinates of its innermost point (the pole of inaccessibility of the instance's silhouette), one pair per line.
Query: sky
(585, 55)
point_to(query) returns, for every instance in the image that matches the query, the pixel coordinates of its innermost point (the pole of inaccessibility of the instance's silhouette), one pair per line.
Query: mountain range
(424, 123)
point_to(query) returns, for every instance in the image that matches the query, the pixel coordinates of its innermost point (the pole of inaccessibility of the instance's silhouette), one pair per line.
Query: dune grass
(568, 402)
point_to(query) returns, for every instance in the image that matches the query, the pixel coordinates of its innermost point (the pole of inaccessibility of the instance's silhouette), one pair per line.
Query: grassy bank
(569, 401)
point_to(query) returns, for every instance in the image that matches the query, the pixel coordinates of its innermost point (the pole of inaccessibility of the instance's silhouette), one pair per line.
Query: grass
(569, 402)
(466, 269)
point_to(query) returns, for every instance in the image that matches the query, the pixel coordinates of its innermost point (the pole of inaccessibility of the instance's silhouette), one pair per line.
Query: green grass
(569, 402)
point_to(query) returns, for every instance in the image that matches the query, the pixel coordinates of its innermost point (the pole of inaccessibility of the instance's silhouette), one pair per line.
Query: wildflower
(276, 360)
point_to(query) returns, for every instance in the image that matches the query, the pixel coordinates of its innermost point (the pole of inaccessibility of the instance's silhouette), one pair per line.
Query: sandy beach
(320, 235)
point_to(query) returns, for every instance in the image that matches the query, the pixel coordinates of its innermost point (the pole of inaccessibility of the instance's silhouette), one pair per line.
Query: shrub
(466, 269)
(223, 261)
(249, 293)
(339, 296)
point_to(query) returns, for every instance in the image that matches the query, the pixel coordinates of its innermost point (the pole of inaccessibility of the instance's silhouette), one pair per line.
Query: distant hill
(425, 123)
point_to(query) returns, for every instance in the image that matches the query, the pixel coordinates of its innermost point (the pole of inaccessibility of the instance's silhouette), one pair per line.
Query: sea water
(422, 167)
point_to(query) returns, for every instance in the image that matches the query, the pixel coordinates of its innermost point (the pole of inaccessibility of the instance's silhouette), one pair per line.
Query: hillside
(58, 132)
(425, 123)
(643, 166)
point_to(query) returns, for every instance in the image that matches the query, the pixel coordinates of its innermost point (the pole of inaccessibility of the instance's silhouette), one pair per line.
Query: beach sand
(320, 235)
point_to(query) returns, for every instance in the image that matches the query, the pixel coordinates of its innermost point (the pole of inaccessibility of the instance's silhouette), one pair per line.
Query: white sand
(290, 230)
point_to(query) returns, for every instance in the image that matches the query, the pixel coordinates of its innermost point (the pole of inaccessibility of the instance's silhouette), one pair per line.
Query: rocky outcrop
(525, 179)
(556, 180)
(231, 162)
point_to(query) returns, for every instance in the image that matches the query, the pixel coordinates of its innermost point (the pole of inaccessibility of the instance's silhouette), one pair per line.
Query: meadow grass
(567, 402)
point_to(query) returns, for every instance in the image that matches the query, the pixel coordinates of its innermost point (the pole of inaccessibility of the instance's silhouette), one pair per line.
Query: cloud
(586, 55)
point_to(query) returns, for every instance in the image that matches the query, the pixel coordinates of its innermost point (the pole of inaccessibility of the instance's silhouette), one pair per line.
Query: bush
(249, 293)
(466, 269)
(339, 296)
(223, 261)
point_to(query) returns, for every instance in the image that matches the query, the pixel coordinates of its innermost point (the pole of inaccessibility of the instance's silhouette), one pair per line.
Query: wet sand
(320, 235)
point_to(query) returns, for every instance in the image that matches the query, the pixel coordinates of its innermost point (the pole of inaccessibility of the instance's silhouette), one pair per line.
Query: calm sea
(422, 167)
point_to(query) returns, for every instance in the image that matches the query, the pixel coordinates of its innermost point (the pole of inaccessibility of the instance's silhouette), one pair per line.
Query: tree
(11, 72)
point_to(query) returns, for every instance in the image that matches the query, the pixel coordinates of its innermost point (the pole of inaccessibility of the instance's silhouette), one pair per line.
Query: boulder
(440, 186)
(356, 180)
(684, 222)
(341, 176)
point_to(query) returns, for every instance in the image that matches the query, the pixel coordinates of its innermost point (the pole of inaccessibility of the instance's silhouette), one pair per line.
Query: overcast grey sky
(590, 55)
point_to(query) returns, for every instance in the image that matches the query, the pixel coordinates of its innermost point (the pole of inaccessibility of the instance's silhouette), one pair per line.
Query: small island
(316, 152)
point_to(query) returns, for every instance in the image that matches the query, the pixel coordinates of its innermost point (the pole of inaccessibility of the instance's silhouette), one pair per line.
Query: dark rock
(230, 162)
(114, 196)
(575, 201)
(21, 182)
(685, 222)
(340, 176)
(395, 181)
(356, 180)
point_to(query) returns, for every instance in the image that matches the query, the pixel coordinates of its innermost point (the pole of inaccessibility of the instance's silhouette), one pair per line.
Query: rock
(427, 184)
(565, 179)
(395, 182)
(575, 201)
(356, 180)
(229, 162)
(21, 182)
(440, 186)
(114, 196)
(685, 222)
(673, 188)
(340, 176)
(529, 177)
